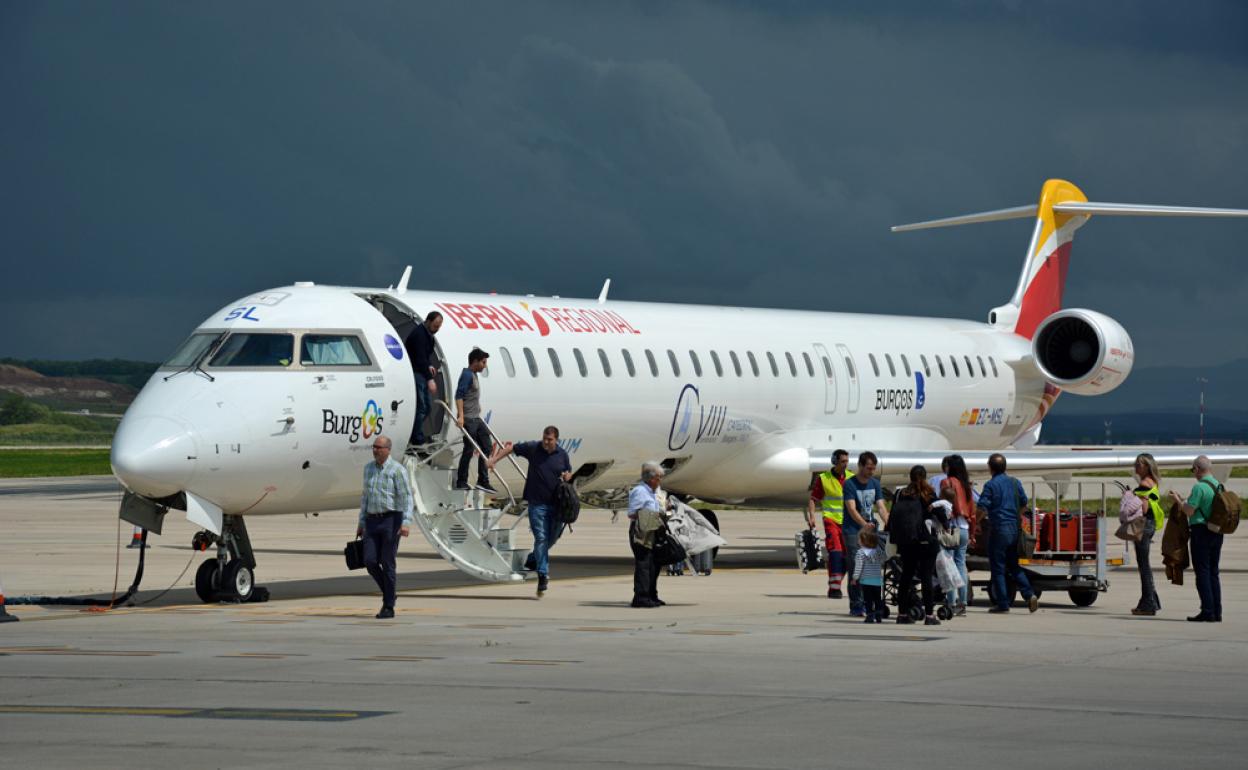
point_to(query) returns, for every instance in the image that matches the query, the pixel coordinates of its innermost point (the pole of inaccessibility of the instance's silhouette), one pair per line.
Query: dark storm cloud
(166, 158)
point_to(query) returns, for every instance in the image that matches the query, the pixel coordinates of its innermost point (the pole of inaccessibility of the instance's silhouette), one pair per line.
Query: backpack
(567, 503)
(906, 521)
(1225, 510)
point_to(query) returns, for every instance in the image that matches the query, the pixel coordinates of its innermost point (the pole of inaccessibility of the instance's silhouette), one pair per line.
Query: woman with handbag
(956, 488)
(1154, 516)
(913, 525)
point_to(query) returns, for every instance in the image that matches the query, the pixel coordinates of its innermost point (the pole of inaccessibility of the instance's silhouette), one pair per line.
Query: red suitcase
(1061, 532)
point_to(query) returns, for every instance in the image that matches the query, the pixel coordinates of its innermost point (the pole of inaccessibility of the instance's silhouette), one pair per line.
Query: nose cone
(153, 456)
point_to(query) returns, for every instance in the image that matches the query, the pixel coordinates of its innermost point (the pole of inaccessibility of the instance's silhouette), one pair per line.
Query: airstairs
(478, 537)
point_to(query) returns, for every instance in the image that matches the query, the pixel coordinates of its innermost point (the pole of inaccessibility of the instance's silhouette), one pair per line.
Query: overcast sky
(158, 160)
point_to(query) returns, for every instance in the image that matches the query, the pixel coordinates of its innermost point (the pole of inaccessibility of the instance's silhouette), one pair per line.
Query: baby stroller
(893, 589)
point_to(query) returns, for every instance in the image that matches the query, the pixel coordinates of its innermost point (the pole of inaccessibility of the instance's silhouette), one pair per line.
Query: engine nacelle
(1082, 351)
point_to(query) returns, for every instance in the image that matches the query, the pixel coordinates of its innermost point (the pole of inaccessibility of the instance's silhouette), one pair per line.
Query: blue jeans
(958, 597)
(381, 546)
(545, 525)
(1206, 551)
(423, 407)
(849, 534)
(1003, 561)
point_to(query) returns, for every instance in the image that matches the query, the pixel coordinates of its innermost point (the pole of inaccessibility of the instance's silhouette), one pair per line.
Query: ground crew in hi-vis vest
(827, 496)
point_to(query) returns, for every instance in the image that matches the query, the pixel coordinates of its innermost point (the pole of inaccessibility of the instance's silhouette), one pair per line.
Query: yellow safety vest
(833, 497)
(1152, 499)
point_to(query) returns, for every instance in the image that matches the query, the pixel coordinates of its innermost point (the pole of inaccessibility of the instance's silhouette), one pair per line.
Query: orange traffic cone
(136, 540)
(5, 617)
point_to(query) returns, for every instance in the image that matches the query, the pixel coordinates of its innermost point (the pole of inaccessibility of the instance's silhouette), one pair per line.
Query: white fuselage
(290, 435)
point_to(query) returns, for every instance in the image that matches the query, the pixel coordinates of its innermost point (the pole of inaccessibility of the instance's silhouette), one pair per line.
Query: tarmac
(751, 667)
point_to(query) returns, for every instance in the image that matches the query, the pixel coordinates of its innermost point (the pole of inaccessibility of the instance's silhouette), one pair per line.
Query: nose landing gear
(231, 576)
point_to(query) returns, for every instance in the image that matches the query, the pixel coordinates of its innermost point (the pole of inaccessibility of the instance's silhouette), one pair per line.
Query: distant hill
(69, 393)
(131, 373)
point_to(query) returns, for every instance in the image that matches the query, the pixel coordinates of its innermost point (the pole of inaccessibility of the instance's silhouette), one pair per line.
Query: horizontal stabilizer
(1074, 207)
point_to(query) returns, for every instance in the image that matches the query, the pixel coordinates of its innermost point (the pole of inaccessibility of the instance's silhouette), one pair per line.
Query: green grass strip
(25, 463)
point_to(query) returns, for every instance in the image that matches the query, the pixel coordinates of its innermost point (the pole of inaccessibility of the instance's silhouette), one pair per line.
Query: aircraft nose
(153, 456)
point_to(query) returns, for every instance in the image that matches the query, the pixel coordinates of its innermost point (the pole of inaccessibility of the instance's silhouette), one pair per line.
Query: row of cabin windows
(772, 364)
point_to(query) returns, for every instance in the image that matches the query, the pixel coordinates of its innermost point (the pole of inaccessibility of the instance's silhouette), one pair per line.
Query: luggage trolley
(1069, 543)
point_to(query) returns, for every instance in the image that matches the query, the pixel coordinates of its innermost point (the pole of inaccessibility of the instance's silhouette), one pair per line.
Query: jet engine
(1082, 351)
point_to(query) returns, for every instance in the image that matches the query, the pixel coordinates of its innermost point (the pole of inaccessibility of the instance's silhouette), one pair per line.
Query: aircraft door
(823, 363)
(851, 371)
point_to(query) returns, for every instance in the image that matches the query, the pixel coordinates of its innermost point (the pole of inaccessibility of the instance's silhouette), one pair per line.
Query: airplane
(270, 405)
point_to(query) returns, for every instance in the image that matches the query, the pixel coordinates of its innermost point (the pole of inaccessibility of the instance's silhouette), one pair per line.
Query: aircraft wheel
(1082, 598)
(207, 582)
(237, 582)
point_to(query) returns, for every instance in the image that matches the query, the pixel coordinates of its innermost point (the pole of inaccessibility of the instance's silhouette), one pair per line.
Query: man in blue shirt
(863, 497)
(1001, 500)
(385, 516)
(548, 465)
(644, 497)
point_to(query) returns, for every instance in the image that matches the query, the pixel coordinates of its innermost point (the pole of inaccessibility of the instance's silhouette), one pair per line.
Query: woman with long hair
(916, 544)
(1154, 516)
(956, 487)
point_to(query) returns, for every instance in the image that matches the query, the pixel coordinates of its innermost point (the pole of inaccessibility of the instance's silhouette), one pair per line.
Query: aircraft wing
(1054, 461)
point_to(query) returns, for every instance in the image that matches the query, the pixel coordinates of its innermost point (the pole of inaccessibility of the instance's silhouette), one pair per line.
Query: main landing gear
(231, 576)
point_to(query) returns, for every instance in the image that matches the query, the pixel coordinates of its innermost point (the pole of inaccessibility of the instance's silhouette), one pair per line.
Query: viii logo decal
(710, 422)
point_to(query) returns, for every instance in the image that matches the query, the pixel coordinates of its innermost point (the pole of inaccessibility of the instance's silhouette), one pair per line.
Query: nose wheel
(231, 576)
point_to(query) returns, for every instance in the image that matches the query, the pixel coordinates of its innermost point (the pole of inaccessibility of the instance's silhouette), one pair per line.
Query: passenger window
(719, 368)
(554, 362)
(849, 367)
(507, 362)
(810, 368)
(580, 362)
(332, 350)
(255, 350)
(970, 368)
(941, 365)
(628, 363)
(736, 362)
(697, 365)
(654, 366)
(875, 367)
(671, 358)
(892, 370)
(906, 365)
(792, 365)
(953, 361)
(983, 371)
(993, 362)
(528, 356)
(827, 367)
(771, 360)
(606, 362)
(926, 368)
(753, 362)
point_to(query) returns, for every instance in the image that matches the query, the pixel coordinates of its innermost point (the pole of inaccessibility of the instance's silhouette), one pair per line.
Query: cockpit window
(255, 350)
(332, 350)
(192, 349)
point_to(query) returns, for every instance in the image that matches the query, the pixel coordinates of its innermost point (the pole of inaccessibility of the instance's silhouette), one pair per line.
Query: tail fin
(1062, 209)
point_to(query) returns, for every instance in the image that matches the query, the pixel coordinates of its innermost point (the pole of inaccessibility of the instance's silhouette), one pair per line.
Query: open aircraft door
(852, 372)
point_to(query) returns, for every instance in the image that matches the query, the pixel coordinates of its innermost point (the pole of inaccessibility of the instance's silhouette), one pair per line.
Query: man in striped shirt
(385, 516)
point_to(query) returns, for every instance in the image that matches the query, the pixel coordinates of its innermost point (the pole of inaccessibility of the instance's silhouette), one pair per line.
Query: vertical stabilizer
(1043, 280)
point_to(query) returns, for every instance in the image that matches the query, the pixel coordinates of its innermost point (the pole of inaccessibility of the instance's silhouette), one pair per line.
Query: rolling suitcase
(809, 551)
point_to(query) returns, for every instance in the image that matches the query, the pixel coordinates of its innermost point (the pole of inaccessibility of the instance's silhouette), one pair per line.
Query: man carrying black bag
(385, 516)
(645, 519)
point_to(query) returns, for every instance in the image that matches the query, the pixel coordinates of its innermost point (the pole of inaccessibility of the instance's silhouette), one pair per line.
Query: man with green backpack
(1212, 512)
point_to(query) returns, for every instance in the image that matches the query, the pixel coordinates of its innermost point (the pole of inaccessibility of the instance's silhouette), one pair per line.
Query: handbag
(354, 554)
(667, 550)
(1132, 531)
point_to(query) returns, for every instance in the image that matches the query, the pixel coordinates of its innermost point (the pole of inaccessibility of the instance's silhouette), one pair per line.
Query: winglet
(602, 296)
(402, 287)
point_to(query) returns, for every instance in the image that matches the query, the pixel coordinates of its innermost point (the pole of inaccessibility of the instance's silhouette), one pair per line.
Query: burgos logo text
(354, 428)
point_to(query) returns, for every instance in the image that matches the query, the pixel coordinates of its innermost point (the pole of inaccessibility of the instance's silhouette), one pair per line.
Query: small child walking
(869, 575)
